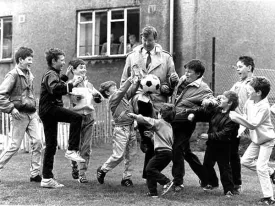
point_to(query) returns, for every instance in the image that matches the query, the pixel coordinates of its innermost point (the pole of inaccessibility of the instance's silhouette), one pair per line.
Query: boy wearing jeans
(51, 111)
(124, 136)
(81, 101)
(24, 119)
(163, 141)
(257, 119)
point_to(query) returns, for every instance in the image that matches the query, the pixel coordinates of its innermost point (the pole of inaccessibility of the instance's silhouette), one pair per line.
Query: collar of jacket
(52, 68)
(157, 48)
(21, 73)
(195, 83)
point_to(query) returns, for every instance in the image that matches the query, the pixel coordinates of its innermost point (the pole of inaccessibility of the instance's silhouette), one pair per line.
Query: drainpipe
(171, 49)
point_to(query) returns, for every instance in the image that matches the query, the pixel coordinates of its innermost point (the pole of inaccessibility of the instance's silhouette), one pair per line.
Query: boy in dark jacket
(124, 136)
(219, 136)
(163, 142)
(51, 111)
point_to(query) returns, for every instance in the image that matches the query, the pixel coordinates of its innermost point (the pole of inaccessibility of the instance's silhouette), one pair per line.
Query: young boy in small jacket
(124, 135)
(258, 120)
(219, 137)
(163, 141)
(82, 99)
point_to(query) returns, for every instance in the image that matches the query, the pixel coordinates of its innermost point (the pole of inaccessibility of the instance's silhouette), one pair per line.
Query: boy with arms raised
(163, 142)
(257, 119)
(124, 136)
(81, 101)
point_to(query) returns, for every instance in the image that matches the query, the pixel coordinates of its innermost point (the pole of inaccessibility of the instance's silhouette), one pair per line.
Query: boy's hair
(168, 112)
(232, 97)
(148, 30)
(196, 65)
(262, 84)
(53, 53)
(104, 87)
(76, 62)
(247, 61)
(23, 52)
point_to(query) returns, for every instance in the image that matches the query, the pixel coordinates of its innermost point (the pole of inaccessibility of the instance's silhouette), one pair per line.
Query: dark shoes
(37, 178)
(209, 187)
(75, 173)
(266, 201)
(127, 183)
(167, 187)
(154, 195)
(100, 175)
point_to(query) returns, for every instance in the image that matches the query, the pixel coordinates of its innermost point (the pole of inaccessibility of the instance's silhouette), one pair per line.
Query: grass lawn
(15, 188)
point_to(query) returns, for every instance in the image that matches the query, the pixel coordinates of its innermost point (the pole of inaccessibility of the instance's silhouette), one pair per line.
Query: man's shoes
(167, 187)
(127, 183)
(154, 195)
(229, 194)
(209, 187)
(73, 155)
(178, 188)
(37, 178)
(75, 173)
(272, 177)
(100, 174)
(266, 201)
(50, 183)
(238, 188)
(82, 179)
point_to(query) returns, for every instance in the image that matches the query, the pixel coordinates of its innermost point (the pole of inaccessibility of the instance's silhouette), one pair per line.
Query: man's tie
(148, 59)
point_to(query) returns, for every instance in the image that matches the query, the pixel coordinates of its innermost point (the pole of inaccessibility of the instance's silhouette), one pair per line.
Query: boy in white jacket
(82, 99)
(257, 119)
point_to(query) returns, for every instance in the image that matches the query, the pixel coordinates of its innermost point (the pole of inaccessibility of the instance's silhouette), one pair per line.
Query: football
(150, 84)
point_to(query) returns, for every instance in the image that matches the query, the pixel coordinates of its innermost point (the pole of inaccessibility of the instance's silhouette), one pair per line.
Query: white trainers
(50, 183)
(73, 155)
(167, 187)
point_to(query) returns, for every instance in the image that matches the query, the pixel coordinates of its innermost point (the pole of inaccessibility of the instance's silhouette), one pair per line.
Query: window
(107, 32)
(5, 38)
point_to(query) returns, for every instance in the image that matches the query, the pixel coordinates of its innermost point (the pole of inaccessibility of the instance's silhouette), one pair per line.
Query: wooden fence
(102, 130)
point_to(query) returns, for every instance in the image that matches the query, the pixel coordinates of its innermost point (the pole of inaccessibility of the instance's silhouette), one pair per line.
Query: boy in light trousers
(257, 119)
(124, 136)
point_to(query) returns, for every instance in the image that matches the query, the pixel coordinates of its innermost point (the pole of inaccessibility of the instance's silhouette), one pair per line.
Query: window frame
(109, 22)
(2, 18)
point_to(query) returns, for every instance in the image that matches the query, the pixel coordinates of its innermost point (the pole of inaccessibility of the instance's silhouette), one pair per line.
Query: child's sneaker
(167, 187)
(50, 183)
(266, 201)
(37, 178)
(238, 189)
(154, 195)
(209, 187)
(75, 173)
(73, 155)
(229, 194)
(82, 179)
(272, 177)
(100, 174)
(178, 188)
(127, 183)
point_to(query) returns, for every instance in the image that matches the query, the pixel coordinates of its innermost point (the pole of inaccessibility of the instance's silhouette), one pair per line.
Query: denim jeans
(124, 147)
(50, 122)
(28, 124)
(256, 158)
(85, 144)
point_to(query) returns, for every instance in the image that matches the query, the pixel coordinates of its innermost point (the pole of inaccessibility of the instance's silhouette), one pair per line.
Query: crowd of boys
(165, 128)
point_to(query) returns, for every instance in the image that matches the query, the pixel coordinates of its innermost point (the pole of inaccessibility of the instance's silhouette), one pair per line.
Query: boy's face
(59, 63)
(25, 63)
(253, 95)
(243, 70)
(80, 70)
(191, 75)
(112, 90)
(224, 102)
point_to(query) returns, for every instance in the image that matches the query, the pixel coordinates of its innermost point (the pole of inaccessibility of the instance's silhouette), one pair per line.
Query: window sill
(6, 61)
(102, 57)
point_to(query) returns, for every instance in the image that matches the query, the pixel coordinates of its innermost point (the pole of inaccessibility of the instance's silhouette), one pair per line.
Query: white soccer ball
(150, 84)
